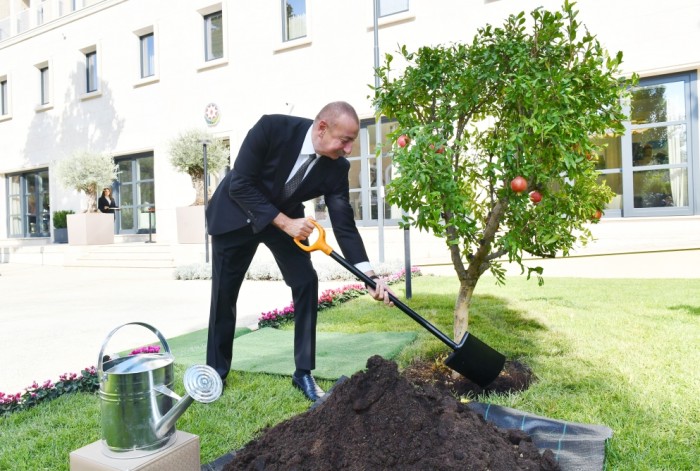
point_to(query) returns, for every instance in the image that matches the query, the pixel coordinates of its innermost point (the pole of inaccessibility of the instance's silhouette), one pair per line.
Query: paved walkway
(53, 320)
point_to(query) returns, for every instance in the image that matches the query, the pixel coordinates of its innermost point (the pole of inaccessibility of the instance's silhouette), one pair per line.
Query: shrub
(195, 271)
(68, 383)
(60, 220)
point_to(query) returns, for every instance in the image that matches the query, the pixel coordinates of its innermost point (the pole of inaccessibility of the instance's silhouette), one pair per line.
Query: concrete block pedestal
(182, 455)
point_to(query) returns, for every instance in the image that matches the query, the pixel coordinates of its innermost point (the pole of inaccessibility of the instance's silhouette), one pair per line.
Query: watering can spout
(202, 383)
(168, 420)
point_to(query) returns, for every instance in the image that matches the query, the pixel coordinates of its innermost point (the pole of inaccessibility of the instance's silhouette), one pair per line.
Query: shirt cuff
(364, 267)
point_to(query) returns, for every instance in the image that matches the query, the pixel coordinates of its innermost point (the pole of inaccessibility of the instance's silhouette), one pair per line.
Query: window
(650, 168)
(91, 71)
(213, 36)
(608, 162)
(660, 126)
(391, 7)
(147, 55)
(43, 73)
(293, 19)
(146, 40)
(4, 107)
(44, 85)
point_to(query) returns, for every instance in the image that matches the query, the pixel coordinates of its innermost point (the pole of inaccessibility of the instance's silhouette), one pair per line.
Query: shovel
(471, 358)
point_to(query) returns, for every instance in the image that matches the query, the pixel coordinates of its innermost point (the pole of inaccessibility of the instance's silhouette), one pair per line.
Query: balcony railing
(39, 14)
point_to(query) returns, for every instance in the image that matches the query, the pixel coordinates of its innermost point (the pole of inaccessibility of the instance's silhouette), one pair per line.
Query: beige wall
(259, 73)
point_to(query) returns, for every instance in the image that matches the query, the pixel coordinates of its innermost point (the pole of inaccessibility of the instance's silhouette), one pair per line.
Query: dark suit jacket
(102, 202)
(250, 192)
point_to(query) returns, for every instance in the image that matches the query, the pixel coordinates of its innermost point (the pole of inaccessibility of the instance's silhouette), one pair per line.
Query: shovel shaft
(411, 313)
(472, 358)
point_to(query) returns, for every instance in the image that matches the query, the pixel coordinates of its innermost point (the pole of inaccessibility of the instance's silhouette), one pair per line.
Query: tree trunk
(478, 263)
(198, 184)
(461, 313)
(91, 199)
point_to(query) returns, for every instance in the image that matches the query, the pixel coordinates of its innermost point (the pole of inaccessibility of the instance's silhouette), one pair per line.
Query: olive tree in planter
(60, 226)
(88, 172)
(187, 156)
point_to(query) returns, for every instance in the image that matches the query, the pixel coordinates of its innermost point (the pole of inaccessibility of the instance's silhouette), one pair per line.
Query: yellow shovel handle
(320, 243)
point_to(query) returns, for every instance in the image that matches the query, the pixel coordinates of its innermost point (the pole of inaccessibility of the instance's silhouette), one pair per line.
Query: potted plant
(187, 156)
(88, 172)
(60, 226)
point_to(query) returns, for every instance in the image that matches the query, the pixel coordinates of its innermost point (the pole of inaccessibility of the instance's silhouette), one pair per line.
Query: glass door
(28, 204)
(134, 193)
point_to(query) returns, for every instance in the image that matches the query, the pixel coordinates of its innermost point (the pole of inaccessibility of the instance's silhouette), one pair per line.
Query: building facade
(125, 77)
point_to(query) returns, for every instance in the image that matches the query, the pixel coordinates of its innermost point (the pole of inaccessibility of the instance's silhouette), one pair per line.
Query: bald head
(335, 110)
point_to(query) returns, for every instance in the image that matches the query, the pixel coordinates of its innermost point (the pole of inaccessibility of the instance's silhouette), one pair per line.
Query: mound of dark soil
(379, 420)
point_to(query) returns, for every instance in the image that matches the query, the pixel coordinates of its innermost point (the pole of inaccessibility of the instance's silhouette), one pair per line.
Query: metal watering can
(139, 408)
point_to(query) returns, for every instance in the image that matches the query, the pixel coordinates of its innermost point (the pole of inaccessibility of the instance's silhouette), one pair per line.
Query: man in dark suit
(259, 202)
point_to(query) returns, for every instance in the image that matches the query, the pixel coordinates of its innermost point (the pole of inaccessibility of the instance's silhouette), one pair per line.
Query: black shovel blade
(476, 361)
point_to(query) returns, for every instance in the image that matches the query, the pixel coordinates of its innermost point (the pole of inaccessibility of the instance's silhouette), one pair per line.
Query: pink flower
(148, 349)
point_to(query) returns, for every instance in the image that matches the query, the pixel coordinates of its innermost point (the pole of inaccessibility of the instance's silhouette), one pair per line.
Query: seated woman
(106, 203)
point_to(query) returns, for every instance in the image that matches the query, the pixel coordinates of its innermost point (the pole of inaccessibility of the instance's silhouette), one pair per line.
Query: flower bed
(67, 383)
(329, 298)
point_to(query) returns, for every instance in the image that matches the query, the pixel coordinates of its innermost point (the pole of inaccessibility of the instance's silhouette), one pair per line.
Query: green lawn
(622, 353)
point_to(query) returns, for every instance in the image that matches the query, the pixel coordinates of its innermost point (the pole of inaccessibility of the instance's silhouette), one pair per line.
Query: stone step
(119, 263)
(122, 255)
(128, 255)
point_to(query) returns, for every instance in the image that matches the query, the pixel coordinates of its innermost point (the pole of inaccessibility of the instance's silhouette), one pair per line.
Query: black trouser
(231, 256)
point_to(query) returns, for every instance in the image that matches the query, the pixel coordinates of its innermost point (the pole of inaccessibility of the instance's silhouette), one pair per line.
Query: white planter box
(190, 224)
(90, 229)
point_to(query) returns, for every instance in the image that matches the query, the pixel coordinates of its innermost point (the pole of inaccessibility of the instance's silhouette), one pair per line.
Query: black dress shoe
(307, 384)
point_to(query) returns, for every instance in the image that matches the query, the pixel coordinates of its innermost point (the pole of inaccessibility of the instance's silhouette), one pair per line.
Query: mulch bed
(380, 419)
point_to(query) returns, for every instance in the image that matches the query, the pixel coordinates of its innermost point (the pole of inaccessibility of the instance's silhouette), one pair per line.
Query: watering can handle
(163, 342)
(320, 243)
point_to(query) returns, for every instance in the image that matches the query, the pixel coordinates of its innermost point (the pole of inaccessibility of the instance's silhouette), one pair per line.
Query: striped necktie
(291, 186)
